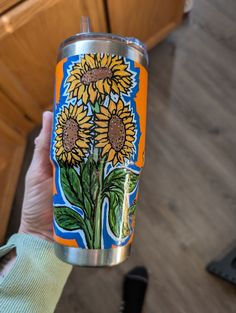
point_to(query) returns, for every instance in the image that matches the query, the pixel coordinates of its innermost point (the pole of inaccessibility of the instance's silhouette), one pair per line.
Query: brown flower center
(96, 74)
(116, 133)
(70, 134)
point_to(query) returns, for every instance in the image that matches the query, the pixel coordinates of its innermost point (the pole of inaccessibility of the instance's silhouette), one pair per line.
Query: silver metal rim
(92, 257)
(85, 43)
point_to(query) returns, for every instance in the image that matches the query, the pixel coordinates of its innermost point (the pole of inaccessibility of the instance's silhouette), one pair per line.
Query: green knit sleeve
(35, 282)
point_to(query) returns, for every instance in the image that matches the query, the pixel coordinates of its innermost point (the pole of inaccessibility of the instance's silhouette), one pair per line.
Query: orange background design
(59, 77)
(141, 107)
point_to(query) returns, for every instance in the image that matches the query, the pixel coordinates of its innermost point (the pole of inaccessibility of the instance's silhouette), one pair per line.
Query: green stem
(88, 233)
(98, 209)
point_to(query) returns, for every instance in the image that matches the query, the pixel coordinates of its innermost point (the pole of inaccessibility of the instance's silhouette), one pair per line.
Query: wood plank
(8, 4)
(149, 21)
(35, 29)
(12, 147)
(13, 116)
(18, 95)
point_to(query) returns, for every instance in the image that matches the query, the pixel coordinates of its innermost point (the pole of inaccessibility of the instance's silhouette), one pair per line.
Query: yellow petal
(102, 117)
(64, 157)
(109, 61)
(79, 109)
(102, 123)
(114, 87)
(112, 107)
(58, 144)
(102, 144)
(130, 138)
(71, 108)
(85, 97)
(119, 67)
(130, 132)
(111, 155)
(86, 119)
(120, 158)
(104, 60)
(60, 150)
(129, 126)
(81, 115)
(63, 115)
(107, 87)
(106, 149)
(73, 84)
(70, 79)
(58, 138)
(69, 157)
(82, 134)
(59, 131)
(120, 105)
(122, 73)
(100, 136)
(102, 130)
(82, 144)
(104, 111)
(129, 144)
(90, 60)
(99, 85)
(120, 87)
(75, 92)
(115, 160)
(86, 125)
(80, 91)
(127, 120)
(122, 115)
(76, 157)
(92, 93)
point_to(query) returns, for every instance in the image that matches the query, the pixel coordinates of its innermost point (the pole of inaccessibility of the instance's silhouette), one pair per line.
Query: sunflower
(115, 132)
(97, 75)
(72, 134)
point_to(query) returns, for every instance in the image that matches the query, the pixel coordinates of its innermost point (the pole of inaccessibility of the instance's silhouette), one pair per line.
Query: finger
(42, 142)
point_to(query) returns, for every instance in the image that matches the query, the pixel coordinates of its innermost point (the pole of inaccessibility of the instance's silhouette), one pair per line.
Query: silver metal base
(92, 257)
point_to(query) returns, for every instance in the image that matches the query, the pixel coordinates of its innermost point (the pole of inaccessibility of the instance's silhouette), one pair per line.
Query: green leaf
(71, 185)
(90, 185)
(97, 107)
(132, 181)
(132, 209)
(68, 219)
(121, 178)
(115, 213)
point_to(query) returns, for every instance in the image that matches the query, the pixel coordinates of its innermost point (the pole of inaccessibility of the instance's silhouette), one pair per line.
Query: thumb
(42, 143)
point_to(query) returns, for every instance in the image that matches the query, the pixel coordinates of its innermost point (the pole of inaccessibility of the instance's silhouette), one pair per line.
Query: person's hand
(37, 213)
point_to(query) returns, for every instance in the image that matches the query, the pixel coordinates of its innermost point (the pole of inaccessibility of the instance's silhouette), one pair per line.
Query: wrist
(26, 229)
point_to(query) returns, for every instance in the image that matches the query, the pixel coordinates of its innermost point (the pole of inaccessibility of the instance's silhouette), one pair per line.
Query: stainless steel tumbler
(97, 147)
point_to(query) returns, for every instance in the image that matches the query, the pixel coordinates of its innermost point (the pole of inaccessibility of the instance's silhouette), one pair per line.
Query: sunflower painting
(115, 132)
(94, 143)
(72, 134)
(97, 75)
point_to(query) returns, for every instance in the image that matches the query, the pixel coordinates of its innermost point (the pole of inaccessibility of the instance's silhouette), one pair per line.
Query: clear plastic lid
(87, 35)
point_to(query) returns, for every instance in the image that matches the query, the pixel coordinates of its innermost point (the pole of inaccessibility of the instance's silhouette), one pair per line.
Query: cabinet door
(30, 34)
(149, 21)
(12, 146)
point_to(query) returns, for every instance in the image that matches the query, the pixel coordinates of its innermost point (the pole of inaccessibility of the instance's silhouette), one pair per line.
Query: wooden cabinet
(149, 21)
(12, 146)
(30, 33)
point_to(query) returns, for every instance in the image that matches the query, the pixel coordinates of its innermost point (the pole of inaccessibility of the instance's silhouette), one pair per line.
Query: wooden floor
(187, 201)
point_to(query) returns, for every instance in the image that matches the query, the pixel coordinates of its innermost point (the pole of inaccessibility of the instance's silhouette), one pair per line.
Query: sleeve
(35, 282)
